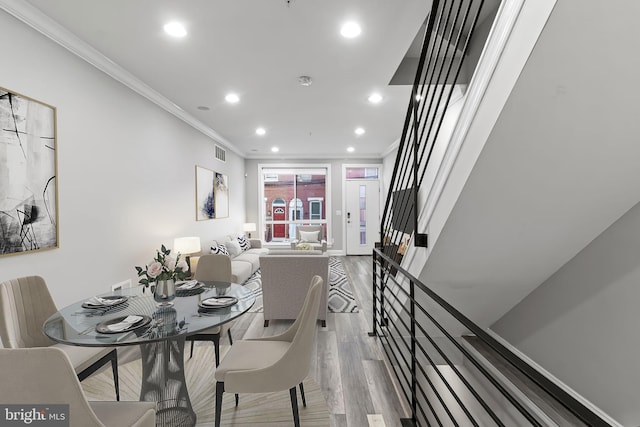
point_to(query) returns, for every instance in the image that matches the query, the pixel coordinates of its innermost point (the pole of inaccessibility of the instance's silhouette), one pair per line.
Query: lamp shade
(249, 226)
(186, 245)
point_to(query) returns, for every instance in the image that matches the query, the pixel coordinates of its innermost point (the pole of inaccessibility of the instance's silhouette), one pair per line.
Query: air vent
(221, 154)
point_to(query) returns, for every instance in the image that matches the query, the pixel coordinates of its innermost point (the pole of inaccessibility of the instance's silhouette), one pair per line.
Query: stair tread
(553, 409)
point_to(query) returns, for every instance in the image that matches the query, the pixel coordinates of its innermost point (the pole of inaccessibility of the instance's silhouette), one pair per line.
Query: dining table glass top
(78, 325)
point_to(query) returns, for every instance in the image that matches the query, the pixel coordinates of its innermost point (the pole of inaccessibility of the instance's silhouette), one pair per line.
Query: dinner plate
(218, 302)
(103, 327)
(197, 286)
(119, 298)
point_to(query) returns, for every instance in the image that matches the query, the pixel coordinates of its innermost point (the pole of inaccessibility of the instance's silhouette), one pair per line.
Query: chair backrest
(44, 376)
(25, 304)
(214, 267)
(297, 359)
(310, 228)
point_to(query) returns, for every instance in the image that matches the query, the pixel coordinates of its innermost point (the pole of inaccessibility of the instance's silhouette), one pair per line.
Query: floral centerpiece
(163, 267)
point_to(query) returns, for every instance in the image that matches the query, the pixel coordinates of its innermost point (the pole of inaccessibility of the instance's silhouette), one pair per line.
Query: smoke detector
(304, 80)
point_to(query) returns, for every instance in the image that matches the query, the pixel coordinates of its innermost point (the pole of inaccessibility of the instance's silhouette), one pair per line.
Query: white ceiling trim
(33, 17)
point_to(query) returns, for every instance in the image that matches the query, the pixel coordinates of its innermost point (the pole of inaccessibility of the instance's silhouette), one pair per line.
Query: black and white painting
(205, 207)
(221, 192)
(28, 188)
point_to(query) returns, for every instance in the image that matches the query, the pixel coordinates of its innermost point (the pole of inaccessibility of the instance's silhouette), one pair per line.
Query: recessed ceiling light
(305, 80)
(203, 108)
(359, 131)
(350, 30)
(232, 98)
(175, 29)
(418, 97)
(374, 98)
(261, 131)
(275, 149)
(351, 149)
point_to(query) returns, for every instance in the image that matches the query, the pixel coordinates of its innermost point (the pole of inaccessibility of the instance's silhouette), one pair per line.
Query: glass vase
(165, 292)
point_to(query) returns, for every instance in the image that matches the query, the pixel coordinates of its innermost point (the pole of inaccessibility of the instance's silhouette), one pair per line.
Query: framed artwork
(205, 205)
(221, 196)
(28, 171)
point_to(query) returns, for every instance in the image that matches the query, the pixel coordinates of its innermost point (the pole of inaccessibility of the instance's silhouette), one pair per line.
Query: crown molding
(40, 22)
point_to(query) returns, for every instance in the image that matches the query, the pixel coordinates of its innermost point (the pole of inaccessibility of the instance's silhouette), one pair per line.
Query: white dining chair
(45, 376)
(270, 364)
(25, 304)
(212, 267)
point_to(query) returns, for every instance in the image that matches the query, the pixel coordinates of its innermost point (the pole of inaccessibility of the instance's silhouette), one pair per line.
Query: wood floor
(348, 364)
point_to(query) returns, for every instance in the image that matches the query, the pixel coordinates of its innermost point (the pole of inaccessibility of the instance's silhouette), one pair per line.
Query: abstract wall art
(205, 204)
(221, 195)
(28, 171)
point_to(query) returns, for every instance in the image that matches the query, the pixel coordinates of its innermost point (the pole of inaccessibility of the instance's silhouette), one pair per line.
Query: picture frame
(28, 175)
(205, 199)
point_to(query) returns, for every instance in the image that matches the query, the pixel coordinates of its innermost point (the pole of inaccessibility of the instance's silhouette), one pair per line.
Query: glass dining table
(160, 331)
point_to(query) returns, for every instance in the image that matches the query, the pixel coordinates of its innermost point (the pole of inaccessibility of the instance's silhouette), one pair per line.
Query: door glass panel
(363, 214)
(362, 173)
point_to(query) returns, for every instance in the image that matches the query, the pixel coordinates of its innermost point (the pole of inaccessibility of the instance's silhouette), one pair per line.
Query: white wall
(126, 170)
(582, 323)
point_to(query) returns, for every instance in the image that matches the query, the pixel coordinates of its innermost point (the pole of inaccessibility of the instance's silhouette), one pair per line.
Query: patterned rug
(339, 300)
(255, 409)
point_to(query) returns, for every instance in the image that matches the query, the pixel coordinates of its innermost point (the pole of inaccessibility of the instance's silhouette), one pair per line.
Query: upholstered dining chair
(212, 267)
(275, 363)
(25, 304)
(45, 376)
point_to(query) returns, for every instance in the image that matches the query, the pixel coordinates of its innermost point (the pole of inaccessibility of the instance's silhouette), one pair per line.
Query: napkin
(213, 302)
(188, 285)
(103, 301)
(127, 322)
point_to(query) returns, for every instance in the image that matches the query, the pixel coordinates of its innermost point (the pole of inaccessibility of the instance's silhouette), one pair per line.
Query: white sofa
(244, 264)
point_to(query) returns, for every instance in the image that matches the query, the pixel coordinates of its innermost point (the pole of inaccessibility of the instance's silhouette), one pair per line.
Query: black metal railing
(423, 336)
(442, 378)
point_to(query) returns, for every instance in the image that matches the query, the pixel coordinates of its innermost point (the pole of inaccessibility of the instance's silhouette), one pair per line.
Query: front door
(362, 216)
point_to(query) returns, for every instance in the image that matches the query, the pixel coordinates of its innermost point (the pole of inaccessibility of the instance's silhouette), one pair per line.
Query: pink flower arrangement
(163, 267)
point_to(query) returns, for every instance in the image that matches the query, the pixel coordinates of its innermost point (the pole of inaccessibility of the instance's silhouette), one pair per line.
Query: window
(292, 196)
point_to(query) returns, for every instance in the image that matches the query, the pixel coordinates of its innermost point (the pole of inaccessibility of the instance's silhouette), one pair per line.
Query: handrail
(391, 280)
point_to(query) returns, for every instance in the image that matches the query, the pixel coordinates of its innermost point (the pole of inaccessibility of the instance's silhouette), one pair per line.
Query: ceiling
(258, 49)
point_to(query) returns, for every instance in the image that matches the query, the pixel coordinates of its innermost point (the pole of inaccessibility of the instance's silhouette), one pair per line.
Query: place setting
(215, 305)
(98, 306)
(122, 324)
(189, 288)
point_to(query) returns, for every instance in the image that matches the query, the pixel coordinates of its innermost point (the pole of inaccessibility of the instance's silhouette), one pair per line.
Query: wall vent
(221, 154)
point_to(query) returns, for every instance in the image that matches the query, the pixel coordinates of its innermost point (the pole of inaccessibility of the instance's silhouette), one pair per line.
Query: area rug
(255, 409)
(339, 300)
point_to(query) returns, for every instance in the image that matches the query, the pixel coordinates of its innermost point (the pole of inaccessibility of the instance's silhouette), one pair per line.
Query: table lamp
(186, 246)
(249, 227)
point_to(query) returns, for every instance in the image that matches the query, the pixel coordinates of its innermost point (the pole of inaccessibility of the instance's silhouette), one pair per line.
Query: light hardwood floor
(348, 364)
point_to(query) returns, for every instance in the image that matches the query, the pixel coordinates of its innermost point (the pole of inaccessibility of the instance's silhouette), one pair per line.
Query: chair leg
(324, 323)
(237, 399)
(230, 337)
(266, 323)
(192, 341)
(294, 406)
(219, 392)
(116, 380)
(304, 401)
(216, 348)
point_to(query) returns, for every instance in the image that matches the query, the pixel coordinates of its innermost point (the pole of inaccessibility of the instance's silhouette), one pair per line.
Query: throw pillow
(219, 249)
(244, 243)
(309, 236)
(233, 247)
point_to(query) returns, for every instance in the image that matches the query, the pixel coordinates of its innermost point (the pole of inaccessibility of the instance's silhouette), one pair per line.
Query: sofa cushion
(251, 258)
(244, 243)
(234, 248)
(309, 236)
(219, 249)
(240, 271)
